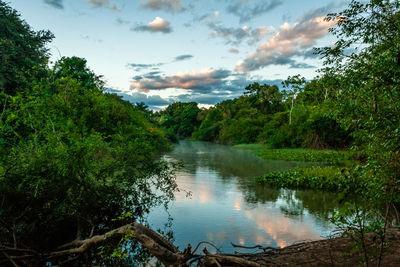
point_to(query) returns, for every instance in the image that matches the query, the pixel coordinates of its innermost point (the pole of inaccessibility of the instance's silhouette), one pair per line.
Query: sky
(162, 51)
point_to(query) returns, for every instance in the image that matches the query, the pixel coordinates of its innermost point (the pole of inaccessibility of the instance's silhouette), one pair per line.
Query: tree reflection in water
(227, 205)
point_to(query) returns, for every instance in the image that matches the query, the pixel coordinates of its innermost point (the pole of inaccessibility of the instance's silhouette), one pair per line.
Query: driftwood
(157, 245)
(316, 253)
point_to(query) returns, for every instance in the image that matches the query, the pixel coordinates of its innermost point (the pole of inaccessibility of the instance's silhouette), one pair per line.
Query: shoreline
(337, 251)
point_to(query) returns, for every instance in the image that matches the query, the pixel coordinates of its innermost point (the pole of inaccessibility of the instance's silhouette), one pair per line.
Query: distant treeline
(301, 115)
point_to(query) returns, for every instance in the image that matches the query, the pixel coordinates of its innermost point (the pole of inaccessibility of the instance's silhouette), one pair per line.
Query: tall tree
(293, 85)
(23, 51)
(72, 158)
(366, 58)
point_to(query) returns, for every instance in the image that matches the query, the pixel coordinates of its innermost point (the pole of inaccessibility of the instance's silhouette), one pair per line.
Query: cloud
(183, 57)
(122, 21)
(55, 3)
(249, 9)
(209, 99)
(228, 89)
(296, 65)
(235, 36)
(192, 80)
(154, 100)
(209, 86)
(321, 11)
(157, 25)
(103, 3)
(172, 6)
(136, 97)
(140, 67)
(91, 39)
(287, 42)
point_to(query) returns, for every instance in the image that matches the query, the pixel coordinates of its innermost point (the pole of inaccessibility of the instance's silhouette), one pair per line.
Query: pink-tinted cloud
(184, 80)
(287, 42)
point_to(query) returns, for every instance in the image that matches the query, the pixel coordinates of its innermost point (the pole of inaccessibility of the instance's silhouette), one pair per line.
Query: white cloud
(157, 25)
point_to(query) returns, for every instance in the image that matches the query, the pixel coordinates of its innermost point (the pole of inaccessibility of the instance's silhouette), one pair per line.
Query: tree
(72, 158)
(22, 51)
(210, 126)
(76, 68)
(266, 97)
(294, 86)
(180, 119)
(366, 58)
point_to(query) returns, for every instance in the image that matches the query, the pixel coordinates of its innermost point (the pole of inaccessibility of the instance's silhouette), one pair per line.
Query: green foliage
(299, 154)
(243, 128)
(75, 68)
(210, 126)
(266, 115)
(76, 156)
(365, 64)
(72, 158)
(180, 119)
(319, 178)
(22, 51)
(267, 98)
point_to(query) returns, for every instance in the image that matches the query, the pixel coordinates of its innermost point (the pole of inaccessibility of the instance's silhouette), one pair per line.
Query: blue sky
(160, 51)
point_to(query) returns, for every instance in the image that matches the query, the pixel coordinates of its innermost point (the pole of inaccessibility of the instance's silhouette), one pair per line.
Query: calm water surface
(227, 205)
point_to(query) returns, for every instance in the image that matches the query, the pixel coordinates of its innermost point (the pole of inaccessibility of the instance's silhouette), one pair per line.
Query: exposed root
(332, 252)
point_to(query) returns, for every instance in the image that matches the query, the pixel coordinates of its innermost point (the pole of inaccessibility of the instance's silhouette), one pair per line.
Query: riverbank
(327, 178)
(339, 251)
(335, 157)
(334, 174)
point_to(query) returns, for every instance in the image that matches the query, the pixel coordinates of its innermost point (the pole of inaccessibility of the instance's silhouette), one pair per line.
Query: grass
(299, 154)
(331, 178)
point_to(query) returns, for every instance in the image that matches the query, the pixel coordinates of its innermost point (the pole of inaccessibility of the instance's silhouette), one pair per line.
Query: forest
(76, 161)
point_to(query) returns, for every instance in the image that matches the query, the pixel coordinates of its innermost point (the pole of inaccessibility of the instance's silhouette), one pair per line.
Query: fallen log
(333, 251)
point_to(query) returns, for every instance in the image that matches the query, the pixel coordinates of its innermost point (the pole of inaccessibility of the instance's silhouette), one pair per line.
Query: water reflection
(227, 205)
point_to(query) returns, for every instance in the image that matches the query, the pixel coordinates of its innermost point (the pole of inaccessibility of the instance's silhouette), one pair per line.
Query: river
(221, 202)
